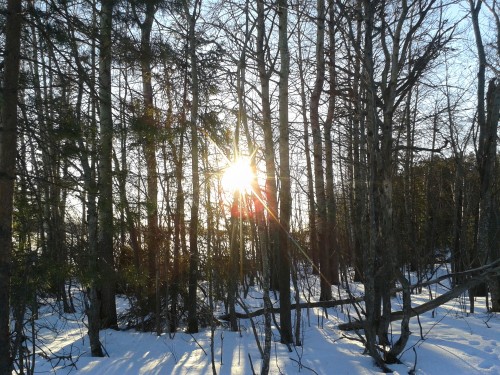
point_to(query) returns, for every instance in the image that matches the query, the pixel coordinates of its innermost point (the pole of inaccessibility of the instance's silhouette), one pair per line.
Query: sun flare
(238, 176)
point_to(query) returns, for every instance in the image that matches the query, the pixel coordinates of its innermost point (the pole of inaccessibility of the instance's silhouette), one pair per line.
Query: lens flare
(238, 176)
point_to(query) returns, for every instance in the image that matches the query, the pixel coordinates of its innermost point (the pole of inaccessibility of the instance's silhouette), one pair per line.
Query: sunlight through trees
(371, 134)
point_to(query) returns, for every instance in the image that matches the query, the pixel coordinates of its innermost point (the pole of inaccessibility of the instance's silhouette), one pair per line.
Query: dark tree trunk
(271, 191)
(372, 273)
(193, 227)
(358, 161)
(152, 234)
(8, 142)
(107, 287)
(492, 232)
(319, 180)
(331, 238)
(313, 238)
(285, 186)
(487, 121)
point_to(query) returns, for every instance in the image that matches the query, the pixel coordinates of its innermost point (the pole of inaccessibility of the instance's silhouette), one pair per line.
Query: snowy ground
(447, 341)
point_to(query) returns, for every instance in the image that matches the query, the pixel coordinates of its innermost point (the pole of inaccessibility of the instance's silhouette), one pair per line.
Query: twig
(197, 343)
(412, 371)
(252, 323)
(303, 366)
(221, 346)
(251, 364)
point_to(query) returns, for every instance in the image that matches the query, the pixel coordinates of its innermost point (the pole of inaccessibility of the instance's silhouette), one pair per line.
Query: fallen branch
(451, 275)
(489, 270)
(333, 303)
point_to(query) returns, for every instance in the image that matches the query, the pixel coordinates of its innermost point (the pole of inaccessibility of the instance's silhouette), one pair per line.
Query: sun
(239, 176)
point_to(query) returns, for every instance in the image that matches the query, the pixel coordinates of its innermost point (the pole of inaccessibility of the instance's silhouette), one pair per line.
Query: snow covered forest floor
(447, 340)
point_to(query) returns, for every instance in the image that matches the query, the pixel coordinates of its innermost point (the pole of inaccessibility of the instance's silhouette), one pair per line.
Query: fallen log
(485, 271)
(324, 304)
(489, 270)
(451, 275)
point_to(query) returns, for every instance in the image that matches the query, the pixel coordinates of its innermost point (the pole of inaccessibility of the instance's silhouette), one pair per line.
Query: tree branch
(493, 269)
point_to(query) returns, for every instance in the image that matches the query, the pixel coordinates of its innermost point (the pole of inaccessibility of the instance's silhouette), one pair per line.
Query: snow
(447, 340)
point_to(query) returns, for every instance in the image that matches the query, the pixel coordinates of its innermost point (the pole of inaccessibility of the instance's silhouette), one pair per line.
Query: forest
(181, 155)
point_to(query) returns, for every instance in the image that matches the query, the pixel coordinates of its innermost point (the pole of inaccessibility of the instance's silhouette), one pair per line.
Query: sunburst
(239, 176)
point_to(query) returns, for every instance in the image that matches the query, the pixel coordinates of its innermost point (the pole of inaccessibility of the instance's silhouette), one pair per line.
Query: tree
(313, 242)
(265, 70)
(331, 209)
(8, 148)
(107, 279)
(149, 148)
(284, 171)
(487, 122)
(193, 125)
(399, 72)
(319, 179)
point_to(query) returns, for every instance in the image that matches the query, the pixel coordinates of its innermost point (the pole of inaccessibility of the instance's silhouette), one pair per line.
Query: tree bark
(193, 227)
(486, 156)
(358, 137)
(149, 147)
(271, 190)
(107, 278)
(319, 180)
(331, 238)
(493, 114)
(8, 148)
(285, 196)
(313, 239)
(372, 301)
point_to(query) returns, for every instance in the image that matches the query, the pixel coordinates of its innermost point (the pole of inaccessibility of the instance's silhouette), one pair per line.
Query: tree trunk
(285, 186)
(260, 219)
(92, 307)
(178, 232)
(193, 227)
(457, 251)
(372, 301)
(271, 188)
(8, 147)
(486, 155)
(493, 114)
(107, 287)
(358, 161)
(319, 181)
(150, 135)
(331, 239)
(313, 239)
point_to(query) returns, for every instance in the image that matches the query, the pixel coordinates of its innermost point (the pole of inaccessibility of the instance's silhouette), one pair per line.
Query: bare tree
(399, 73)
